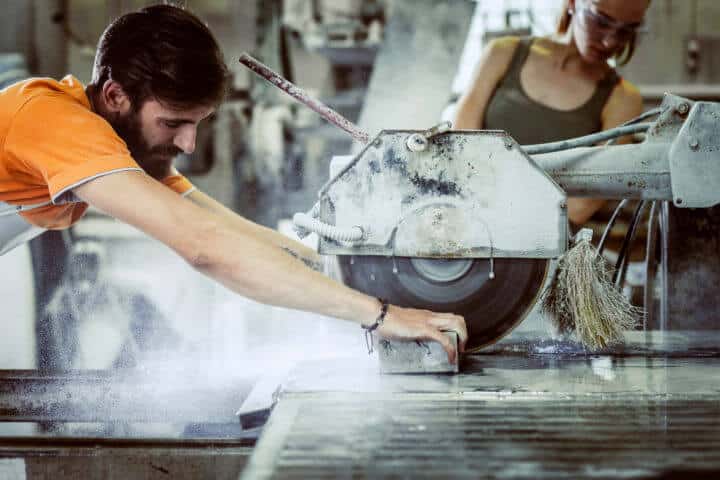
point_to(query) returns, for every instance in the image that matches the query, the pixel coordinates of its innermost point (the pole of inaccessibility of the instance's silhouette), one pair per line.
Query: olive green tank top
(529, 122)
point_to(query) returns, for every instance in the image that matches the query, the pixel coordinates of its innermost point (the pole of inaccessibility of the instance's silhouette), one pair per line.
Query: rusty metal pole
(301, 96)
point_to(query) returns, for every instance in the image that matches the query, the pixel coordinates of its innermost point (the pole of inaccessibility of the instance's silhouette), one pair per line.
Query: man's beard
(156, 161)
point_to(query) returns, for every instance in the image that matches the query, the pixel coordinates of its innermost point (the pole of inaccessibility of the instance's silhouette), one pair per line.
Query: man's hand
(410, 323)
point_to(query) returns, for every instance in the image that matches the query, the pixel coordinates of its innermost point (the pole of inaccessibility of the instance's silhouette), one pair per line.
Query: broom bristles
(582, 299)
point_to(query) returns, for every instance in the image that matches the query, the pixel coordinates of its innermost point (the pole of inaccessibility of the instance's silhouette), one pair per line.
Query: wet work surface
(529, 407)
(506, 416)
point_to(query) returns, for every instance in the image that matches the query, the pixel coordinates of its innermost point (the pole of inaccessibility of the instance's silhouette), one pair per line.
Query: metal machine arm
(679, 161)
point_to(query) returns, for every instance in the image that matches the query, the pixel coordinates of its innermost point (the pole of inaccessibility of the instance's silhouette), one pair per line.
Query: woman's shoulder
(499, 51)
(625, 102)
(549, 45)
(503, 45)
(625, 91)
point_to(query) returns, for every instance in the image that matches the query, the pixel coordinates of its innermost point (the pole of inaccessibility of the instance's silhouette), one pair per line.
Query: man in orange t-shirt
(158, 72)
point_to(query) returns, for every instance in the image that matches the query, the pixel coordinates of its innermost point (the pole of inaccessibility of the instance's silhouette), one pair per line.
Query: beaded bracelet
(378, 321)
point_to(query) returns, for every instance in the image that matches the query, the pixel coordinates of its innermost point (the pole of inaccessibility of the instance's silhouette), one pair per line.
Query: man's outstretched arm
(294, 248)
(248, 263)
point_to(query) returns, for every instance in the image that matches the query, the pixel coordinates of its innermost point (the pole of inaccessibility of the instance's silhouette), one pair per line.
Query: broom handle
(301, 96)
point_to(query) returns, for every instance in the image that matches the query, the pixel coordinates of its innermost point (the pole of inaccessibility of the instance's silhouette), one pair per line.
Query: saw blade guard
(464, 222)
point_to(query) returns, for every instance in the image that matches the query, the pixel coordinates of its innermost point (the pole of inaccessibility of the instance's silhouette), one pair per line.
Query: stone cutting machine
(470, 221)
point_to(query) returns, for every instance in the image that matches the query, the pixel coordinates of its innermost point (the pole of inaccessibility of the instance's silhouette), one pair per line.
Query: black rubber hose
(622, 261)
(610, 225)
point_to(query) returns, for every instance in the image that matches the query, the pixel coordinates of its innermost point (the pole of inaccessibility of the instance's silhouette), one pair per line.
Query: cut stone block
(415, 356)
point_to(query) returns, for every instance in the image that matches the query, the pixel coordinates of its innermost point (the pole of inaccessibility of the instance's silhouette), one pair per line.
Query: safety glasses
(600, 25)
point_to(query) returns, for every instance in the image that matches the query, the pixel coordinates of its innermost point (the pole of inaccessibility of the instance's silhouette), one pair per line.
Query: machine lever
(302, 96)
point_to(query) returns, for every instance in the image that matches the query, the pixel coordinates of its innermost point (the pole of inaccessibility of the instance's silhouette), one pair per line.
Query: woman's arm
(493, 65)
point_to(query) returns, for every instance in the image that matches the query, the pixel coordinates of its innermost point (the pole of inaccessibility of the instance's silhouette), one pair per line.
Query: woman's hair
(162, 52)
(621, 58)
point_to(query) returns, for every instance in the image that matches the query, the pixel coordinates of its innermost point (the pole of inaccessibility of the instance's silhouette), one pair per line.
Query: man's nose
(185, 139)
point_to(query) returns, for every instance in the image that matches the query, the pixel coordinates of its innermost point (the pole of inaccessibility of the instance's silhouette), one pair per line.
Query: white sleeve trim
(185, 194)
(57, 200)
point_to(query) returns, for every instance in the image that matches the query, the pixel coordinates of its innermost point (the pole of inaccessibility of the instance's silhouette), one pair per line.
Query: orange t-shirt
(51, 142)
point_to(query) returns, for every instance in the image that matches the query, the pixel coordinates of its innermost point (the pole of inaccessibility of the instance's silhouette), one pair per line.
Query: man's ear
(115, 98)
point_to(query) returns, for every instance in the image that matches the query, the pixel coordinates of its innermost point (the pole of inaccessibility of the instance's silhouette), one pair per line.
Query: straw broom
(583, 300)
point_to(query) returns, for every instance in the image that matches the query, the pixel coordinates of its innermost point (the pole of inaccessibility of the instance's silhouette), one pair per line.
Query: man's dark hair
(164, 53)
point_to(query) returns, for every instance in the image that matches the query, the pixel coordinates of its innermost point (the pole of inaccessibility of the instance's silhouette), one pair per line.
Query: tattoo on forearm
(315, 265)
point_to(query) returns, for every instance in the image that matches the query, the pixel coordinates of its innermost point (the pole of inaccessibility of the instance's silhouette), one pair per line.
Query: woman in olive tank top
(560, 86)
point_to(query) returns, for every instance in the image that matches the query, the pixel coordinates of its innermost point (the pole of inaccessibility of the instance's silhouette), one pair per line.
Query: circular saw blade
(491, 307)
